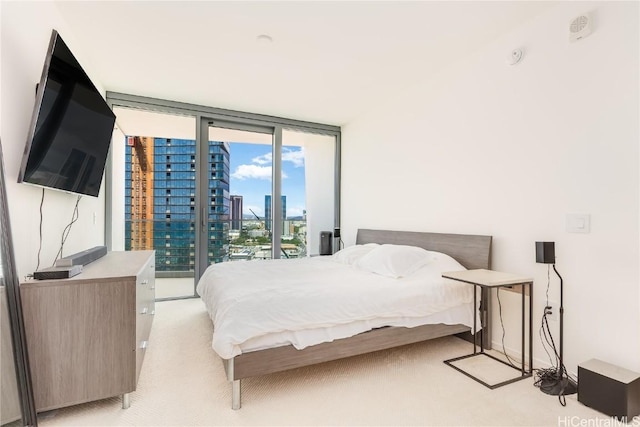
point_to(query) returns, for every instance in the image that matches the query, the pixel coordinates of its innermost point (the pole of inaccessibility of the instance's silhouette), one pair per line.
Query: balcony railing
(174, 242)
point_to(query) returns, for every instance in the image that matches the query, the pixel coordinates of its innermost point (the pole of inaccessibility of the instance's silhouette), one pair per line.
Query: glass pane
(240, 217)
(160, 195)
(308, 183)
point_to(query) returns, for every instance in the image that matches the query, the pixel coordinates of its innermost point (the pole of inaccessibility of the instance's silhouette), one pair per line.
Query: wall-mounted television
(71, 127)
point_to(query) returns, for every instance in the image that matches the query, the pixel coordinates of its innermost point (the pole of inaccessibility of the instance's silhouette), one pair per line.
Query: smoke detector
(580, 27)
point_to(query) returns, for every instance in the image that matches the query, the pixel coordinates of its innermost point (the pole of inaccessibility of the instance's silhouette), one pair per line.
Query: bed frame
(472, 251)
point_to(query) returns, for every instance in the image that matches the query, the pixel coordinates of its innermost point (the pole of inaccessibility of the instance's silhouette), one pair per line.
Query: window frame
(211, 116)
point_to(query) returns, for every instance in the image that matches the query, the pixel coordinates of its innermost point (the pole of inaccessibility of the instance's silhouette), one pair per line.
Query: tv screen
(71, 127)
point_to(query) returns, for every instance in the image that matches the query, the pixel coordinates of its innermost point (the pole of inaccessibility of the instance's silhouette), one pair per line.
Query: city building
(236, 212)
(160, 191)
(268, 215)
(138, 202)
(218, 224)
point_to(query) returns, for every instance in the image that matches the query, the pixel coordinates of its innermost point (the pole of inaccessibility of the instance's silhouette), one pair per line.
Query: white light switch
(578, 223)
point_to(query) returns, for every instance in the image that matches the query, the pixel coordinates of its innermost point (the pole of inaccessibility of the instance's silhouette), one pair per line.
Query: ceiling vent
(580, 27)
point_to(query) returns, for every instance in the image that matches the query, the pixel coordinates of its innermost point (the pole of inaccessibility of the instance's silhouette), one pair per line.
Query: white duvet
(303, 302)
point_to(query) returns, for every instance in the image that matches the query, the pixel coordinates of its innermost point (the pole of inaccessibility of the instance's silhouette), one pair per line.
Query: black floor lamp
(558, 383)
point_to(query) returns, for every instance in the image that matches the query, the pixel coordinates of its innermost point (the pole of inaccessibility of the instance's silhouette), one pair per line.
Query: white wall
(508, 151)
(25, 32)
(319, 164)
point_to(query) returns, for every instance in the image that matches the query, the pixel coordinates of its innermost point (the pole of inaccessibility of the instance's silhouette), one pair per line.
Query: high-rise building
(218, 235)
(139, 203)
(236, 212)
(268, 214)
(160, 200)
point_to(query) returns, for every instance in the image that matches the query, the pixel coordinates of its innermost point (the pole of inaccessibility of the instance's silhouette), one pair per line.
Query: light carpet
(183, 383)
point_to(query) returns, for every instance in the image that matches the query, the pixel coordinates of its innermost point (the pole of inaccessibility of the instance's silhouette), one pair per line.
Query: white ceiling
(328, 63)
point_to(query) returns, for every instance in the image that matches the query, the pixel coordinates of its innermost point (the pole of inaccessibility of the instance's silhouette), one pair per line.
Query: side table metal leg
(523, 326)
(530, 328)
(475, 318)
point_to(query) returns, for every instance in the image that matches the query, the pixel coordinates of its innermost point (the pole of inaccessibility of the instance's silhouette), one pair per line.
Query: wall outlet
(554, 311)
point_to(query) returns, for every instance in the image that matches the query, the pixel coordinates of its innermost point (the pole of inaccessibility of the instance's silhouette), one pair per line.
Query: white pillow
(394, 260)
(351, 254)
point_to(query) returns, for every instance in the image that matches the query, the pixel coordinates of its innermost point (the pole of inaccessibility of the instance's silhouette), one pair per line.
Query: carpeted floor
(182, 383)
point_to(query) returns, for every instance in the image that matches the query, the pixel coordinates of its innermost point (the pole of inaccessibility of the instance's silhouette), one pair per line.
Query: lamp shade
(546, 252)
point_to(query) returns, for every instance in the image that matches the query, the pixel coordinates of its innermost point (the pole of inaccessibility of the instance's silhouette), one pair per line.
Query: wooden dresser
(87, 335)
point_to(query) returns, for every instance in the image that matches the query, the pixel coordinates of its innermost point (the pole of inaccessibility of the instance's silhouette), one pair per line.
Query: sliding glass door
(239, 185)
(205, 185)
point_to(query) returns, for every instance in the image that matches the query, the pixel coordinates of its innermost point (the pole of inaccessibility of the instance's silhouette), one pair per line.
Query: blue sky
(250, 170)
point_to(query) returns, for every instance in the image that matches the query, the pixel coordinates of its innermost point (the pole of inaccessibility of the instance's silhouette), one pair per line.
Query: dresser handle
(153, 312)
(144, 310)
(144, 345)
(144, 282)
(153, 288)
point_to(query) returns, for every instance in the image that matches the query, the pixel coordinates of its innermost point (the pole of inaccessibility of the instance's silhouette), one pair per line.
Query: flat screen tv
(71, 127)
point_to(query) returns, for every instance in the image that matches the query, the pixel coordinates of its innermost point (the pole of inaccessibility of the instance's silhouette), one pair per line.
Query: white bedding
(264, 304)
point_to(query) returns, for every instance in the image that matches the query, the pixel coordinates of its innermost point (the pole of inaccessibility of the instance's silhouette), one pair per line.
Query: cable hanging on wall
(554, 380)
(67, 229)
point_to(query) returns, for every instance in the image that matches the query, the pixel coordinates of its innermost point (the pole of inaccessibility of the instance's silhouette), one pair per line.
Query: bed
(275, 315)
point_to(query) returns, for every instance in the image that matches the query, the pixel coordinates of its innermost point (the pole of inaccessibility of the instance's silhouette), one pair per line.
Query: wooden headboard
(472, 251)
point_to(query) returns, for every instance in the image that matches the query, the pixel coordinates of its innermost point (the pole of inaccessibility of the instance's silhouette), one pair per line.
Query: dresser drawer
(145, 310)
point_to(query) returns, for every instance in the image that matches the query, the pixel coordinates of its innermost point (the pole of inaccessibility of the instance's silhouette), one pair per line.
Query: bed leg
(235, 383)
(235, 395)
(126, 401)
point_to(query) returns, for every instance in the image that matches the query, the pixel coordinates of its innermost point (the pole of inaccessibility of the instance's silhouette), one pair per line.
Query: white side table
(489, 279)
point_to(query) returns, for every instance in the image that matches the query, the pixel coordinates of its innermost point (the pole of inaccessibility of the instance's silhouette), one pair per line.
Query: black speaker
(546, 252)
(51, 273)
(326, 243)
(610, 389)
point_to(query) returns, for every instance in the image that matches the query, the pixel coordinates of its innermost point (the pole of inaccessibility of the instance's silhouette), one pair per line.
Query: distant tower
(236, 212)
(268, 214)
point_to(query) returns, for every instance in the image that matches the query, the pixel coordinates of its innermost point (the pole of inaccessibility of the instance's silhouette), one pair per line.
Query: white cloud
(252, 171)
(295, 157)
(261, 169)
(265, 159)
(288, 155)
